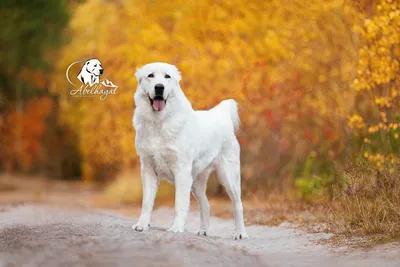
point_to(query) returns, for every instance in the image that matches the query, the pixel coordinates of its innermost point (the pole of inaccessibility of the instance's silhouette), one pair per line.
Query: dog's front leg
(150, 185)
(183, 184)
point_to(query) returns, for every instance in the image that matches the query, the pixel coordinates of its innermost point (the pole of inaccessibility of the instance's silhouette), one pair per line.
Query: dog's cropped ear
(176, 74)
(139, 75)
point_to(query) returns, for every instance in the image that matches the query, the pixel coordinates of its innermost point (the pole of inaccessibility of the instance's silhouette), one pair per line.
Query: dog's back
(223, 118)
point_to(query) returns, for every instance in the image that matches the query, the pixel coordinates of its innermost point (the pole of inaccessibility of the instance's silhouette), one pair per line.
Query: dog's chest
(164, 163)
(159, 149)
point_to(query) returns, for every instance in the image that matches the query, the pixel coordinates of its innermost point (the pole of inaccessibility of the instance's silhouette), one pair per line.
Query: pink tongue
(158, 104)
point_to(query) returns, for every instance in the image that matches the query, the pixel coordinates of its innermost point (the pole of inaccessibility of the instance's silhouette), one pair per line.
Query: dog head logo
(91, 72)
(90, 78)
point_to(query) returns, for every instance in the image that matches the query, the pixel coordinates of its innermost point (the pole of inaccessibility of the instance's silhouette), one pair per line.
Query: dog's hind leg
(199, 191)
(228, 170)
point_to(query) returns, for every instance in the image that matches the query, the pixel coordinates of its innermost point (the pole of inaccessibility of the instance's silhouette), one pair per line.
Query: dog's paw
(238, 236)
(175, 229)
(140, 228)
(202, 232)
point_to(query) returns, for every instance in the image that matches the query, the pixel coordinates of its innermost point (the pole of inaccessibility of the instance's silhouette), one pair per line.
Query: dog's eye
(95, 65)
(151, 75)
(167, 76)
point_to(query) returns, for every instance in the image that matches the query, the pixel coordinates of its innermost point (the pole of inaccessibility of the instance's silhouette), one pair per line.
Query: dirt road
(54, 235)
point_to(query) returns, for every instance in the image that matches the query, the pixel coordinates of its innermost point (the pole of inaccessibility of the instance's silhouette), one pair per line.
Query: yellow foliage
(296, 70)
(356, 121)
(378, 80)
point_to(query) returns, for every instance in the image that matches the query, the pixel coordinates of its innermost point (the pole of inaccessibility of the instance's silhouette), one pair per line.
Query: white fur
(90, 72)
(184, 146)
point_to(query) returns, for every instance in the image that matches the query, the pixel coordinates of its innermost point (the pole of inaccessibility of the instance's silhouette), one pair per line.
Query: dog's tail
(232, 107)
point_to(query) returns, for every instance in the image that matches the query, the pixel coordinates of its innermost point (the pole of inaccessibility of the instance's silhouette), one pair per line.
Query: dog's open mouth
(158, 103)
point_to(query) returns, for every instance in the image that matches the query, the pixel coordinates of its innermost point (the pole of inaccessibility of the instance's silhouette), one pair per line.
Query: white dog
(91, 72)
(184, 146)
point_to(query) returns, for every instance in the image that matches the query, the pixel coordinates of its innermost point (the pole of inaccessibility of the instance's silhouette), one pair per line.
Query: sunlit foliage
(377, 84)
(298, 70)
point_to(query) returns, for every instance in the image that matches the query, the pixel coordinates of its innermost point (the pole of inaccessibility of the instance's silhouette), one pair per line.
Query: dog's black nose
(101, 71)
(159, 88)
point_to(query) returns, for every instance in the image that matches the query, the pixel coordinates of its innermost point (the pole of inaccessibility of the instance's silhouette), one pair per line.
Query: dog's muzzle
(101, 72)
(158, 103)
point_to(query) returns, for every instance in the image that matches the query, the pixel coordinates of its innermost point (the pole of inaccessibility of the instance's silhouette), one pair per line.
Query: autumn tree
(29, 29)
(376, 120)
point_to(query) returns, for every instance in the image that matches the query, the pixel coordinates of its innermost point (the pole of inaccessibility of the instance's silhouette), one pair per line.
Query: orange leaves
(272, 120)
(308, 136)
(34, 117)
(329, 134)
(23, 133)
(34, 77)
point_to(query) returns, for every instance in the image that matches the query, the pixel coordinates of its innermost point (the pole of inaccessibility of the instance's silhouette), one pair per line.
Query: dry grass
(271, 210)
(127, 188)
(368, 204)
(365, 209)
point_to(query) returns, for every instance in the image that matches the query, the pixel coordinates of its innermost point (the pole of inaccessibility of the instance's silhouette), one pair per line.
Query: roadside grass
(368, 203)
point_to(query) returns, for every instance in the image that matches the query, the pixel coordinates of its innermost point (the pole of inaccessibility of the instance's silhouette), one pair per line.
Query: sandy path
(49, 235)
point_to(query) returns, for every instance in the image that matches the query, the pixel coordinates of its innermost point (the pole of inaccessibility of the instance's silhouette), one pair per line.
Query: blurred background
(317, 83)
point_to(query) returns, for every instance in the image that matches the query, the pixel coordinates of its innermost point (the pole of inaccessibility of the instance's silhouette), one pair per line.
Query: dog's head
(156, 84)
(93, 66)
